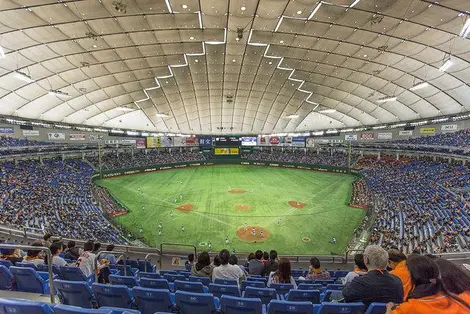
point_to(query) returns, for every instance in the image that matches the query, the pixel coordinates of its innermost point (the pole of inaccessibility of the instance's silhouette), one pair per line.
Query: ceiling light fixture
(419, 86)
(161, 115)
(58, 93)
(243, 8)
(24, 77)
(386, 99)
(299, 12)
(447, 64)
(354, 3)
(184, 6)
(191, 38)
(466, 29)
(2, 53)
(292, 116)
(281, 41)
(327, 111)
(315, 10)
(124, 109)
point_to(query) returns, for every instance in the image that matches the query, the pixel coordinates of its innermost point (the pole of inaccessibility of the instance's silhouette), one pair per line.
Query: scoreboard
(227, 141)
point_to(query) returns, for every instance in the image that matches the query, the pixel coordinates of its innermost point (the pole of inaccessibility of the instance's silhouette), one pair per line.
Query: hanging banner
(111, 142)
(205, 141)
(56, 136)
(311, 141)
(95, 137)
(405, 133)
(367, 136)
(350, 137)
(30, 133)
(191, 141)
(384, 136)
(77, 137)
(427, 130)
(159, 141)
(298, 141)
(6, 130)
(179, 141)
(263, 140)
(274, 140)
(449, 128)
(140, 143)
(127, 142)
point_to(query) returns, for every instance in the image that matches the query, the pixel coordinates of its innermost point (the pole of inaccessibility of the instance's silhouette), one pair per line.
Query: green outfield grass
(214, 217)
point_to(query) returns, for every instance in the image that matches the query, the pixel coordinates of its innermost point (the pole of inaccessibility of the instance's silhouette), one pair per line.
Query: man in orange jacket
(397, 261)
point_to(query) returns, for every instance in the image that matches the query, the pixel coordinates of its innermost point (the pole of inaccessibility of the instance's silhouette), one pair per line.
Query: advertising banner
(336, 141)
(298, 141)
(405, 133)
(192, 141)
(77, 137)
(127, 142)
(159, 141)
(140, 143)
(95, 137)
(179, 141)
(367, 136)
(449, 128)
(311, 141)
(249, 141)
(263, 140)
(6, 130)
(384, 136)
(205, 141)
(286, 141)
(30, 133)
(227, 151)
(427, 130)
(350, 137)
(56, 136)
(274, 140)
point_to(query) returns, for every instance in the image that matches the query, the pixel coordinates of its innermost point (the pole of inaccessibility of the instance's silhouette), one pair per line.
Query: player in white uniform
(227, 240)
(246, 227)
(182, 228)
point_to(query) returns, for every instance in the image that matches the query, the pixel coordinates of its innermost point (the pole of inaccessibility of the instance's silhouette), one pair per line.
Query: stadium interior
(193, 156)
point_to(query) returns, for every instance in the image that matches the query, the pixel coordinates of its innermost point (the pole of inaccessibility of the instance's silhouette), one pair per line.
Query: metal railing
(175, 244)
(146, 259)
(49, 262)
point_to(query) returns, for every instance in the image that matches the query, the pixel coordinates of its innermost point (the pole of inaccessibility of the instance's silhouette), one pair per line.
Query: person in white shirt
(56, 249)
(225, 270)
(86, 261)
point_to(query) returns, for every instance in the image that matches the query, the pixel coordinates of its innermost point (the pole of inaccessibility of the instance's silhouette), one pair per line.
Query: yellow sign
(234, 151)
(428, 130)
(153, 142)
(222, 151)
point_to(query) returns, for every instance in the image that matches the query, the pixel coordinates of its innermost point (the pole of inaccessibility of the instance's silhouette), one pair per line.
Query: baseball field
(241, 208)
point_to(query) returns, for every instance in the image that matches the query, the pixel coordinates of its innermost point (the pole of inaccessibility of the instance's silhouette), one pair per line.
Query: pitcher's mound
(243, 207)
(296, 204)
(237, 191)
(248, 235)
(185, 207)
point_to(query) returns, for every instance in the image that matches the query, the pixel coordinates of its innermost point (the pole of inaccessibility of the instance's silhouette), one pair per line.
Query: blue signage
(6, 130)
(298, 141)
(205, 140)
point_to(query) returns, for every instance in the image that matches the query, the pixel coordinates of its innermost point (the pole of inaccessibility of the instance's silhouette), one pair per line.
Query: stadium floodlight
(59, 93)
(318, 133)
(124, 109)
(379, 127)
(327, 111)
(100, 130)
(447, 64)
(24, 77)
(332, 132)
(466, 29)
(161, 115)
(439, 120)
(292, 116)
(419, 86)
(386, 99)
(2, 53)
(132, 133)
(117, 131)
(144, 134)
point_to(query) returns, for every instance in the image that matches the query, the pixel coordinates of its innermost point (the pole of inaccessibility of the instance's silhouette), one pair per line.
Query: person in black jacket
(378, 285)
(272, 264)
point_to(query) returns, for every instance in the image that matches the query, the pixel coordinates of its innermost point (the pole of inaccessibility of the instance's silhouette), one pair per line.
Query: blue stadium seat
(282, 288)
(163, 272)
(75, 274)
(334, 286)
(262, 279)
(297, 272)
(189, 286)
(184, 273)
(286, 307)
(6, 278)
(150, 267)
(332, 296)
(155, 283)
(227, 282)
(303, 295)
(341, 308)
(306, 281)
(340, 273)
(151, 300)
(45, 268)
(28, 280)
(77, 293)
(314, 286)
(195, 303)
(173, 277)
(256, 284)
(113, 295)
(26, 264)
(117, 310)
(325, 282)
(376, 308)
(204, 280)
(149, 275)
(265, 294)
(129, 271)
(219, 290)
(6, 263)
(12, 306)
(234, 305)
(128, 281)
(68, 309)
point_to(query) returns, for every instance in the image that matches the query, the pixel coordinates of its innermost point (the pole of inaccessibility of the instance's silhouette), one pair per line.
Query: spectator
(9, 255)
(109, 256)
(72, 252)
(34, 256)
(455, 278)
(315, 272)
(428, 294)
(46, 240)
(377, 285)
(282, 274)
(250, 257)
(190, 262)
(203, 267)
(56, 249)
(256, 266)
(216, 261)
(359, 270)
(86, 261)
(225, 270)
(397, 262)
(96, 248)
(272, 264)
(265, 258)
(233, 260)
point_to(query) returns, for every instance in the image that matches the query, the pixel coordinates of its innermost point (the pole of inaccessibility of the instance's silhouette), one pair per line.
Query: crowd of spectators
(459, 139)
(361, 195)
(54, 196)
(6, 141)
(144, 158)
(108, 204)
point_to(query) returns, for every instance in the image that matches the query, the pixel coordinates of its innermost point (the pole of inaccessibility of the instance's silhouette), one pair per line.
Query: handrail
(97, 256)
(153, 254)
(353, 250)
(49, 262)
(176, 244)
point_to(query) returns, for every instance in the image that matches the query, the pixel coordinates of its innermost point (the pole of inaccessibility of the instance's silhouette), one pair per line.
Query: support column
(398, 156)
(378, 156)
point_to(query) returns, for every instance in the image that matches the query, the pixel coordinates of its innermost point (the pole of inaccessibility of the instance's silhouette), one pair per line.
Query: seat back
(6, 263)
(163, 272)
(325, 282)
(154, 283)
(256, 284)
(128, 281)
(340, 273)
(76, 293)
(204, 280)
(262, 279)
(45, 268)
(304, 295)
(265, 294)
(26, 264)
(189, 286)
(333, 296)
(27, 280)
(376, 308)
(334, 286)
(235, 305)
(341, 308)
(287, 307)
(150, 301)
(149, 275)
(227, 282)
(11, 306)
(6, 278)
(314, 286)
(194, 303)
(282, 288)
(297, 272)
(113, 295)
(68, 309)
(72, 273)
(173, 277)
(219, 290)
(142, 264)
(125, 271)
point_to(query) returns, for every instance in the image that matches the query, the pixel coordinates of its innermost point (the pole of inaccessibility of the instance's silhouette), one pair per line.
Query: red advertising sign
(274, 140)
(192, 141)
(367, 136)
(140, 143)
